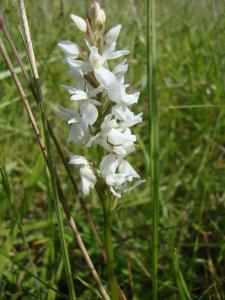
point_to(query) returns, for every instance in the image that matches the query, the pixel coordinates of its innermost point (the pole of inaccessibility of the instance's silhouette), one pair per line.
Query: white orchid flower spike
(100, 113)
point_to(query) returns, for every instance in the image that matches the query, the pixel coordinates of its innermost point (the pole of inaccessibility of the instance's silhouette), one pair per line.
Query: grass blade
(182, 287)
(153, 138)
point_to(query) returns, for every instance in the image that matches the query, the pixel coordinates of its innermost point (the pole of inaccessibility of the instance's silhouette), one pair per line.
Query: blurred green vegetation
(191, 94)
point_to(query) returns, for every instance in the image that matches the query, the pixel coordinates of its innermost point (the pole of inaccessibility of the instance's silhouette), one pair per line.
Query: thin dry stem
(28, 38)
(11, 44)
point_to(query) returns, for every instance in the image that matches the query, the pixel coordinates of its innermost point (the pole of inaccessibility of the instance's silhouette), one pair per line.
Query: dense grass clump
(190, 89)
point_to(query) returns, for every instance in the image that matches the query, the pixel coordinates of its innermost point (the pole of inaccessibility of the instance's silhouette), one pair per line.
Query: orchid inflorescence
(101, 114)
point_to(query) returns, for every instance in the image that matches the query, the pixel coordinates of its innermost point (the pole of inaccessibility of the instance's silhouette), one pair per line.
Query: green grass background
(191, 93)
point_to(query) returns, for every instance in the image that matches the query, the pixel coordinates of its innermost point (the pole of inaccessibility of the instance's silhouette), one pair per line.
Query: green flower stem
(154, 139)
(109, 248)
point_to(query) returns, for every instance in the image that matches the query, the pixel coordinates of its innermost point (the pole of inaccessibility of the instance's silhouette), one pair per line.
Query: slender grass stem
(153, 138)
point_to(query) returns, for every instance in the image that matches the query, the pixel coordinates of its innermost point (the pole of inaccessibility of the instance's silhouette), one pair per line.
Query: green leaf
(181, 284)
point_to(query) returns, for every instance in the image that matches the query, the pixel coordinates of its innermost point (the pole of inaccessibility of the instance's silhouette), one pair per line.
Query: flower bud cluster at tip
(96, 16)
(101, 113)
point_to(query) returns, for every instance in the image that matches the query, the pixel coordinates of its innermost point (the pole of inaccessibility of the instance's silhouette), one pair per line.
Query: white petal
(78, 66)
(117, 137)
(121, 68)
(80, 22)
(108, 123)
(88, 179)
(117, 93)
(112, 35)
(67, 113)
(116, 180)
(104, 76)
(131, 98)
(126, 169)
(123, 150)
(78, 160)
(78, 134)
(88, 173)
(119, 53)
(96, 60)
(89, 114)
(135, 185)
(120, 71)
(108, 165)
(123, 113)
(69, 48)
(79, 95)
(107, 54)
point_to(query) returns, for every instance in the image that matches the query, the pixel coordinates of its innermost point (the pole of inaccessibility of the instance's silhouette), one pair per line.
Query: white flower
(97, 61)
(88, 179)
(87, 110)
(79, 132)
(117, 93)
(118, 173)
(114, 138)
(77, 66)
(80, 22)
(102, 137)
(126, 117)
(120, 136)
(115, 89)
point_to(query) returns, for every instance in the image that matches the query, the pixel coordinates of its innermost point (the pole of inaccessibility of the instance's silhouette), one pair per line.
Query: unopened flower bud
(90, 33)
(80, 22)
(96, 16)
(93, 11)
(100, 20)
